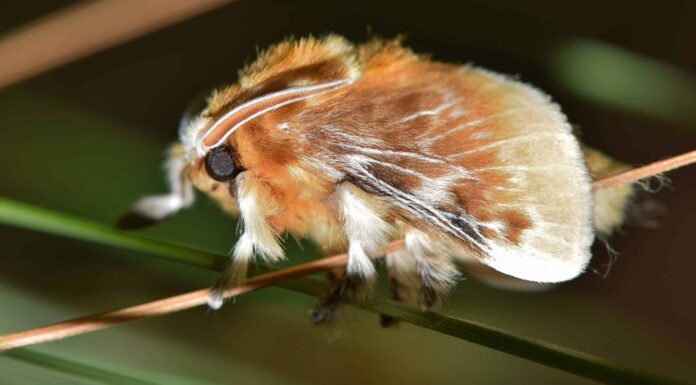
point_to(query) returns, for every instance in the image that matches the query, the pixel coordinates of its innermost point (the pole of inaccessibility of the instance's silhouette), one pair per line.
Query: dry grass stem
(167, 305)
(638, 173)
(86, 28)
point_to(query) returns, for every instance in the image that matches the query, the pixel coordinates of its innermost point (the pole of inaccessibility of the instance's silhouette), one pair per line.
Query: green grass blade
(73, 368)
(39, 219)
(23, 215)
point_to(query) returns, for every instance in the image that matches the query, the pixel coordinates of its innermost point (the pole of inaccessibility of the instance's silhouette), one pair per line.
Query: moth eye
(221, 164)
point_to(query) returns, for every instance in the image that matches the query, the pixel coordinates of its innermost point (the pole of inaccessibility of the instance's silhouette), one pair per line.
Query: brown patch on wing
(490, 233)
(395, 178)
(480, 160)
(472, 197)
(516, 223)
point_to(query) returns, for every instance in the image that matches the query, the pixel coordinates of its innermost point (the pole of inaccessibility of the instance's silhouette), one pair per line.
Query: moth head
(244, 125)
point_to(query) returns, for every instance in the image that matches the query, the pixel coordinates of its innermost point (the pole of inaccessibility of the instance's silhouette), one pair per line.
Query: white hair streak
(365, 229)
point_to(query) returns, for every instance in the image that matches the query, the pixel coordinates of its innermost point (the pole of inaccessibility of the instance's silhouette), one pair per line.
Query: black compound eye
(221, 164)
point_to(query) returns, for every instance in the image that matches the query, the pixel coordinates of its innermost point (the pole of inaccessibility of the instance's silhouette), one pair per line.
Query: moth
(354, 146)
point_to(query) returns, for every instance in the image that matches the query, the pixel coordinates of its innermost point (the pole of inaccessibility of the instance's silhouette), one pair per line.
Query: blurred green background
(89, 138)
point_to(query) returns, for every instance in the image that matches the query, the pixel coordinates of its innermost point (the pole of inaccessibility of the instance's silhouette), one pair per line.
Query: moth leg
(367, 232)
(335, 275)
(353, 285)
(436, 269)
(404, 281)
(329, 236)
(258, 237)
(150, 210)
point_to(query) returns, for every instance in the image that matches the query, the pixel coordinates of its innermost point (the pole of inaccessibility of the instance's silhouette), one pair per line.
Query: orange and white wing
(532, 192)
(485, 160)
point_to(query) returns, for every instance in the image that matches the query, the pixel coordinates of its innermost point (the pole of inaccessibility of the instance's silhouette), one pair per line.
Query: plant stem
(73, 368)
(647, 171)
(30, 217)
(169, 305)
(85, 28)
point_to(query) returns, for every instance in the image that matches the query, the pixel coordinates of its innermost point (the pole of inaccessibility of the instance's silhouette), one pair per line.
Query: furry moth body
(355, 146)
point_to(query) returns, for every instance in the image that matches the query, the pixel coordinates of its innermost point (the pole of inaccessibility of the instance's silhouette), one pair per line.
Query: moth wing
(491, 277)
(485, 160)
(531, 189)
(531, 192)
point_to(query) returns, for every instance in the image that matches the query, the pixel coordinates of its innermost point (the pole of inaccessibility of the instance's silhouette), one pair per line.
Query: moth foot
(327, 308)
(323, 314)
(234, 274)
(386, 321)
(429, 297)
(215, 299)
(348, 288)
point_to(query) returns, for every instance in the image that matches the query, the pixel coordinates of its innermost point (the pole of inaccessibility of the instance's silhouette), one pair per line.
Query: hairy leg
(366, 231)
(258, 238)
(436, 269)
(404, 281)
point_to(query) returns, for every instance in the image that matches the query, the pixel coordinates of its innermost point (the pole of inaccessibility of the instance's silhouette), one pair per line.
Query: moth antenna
(149, 210)
(224, 126)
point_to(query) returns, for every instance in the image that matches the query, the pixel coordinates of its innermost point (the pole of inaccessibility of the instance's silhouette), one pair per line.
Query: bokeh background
(89, 138)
